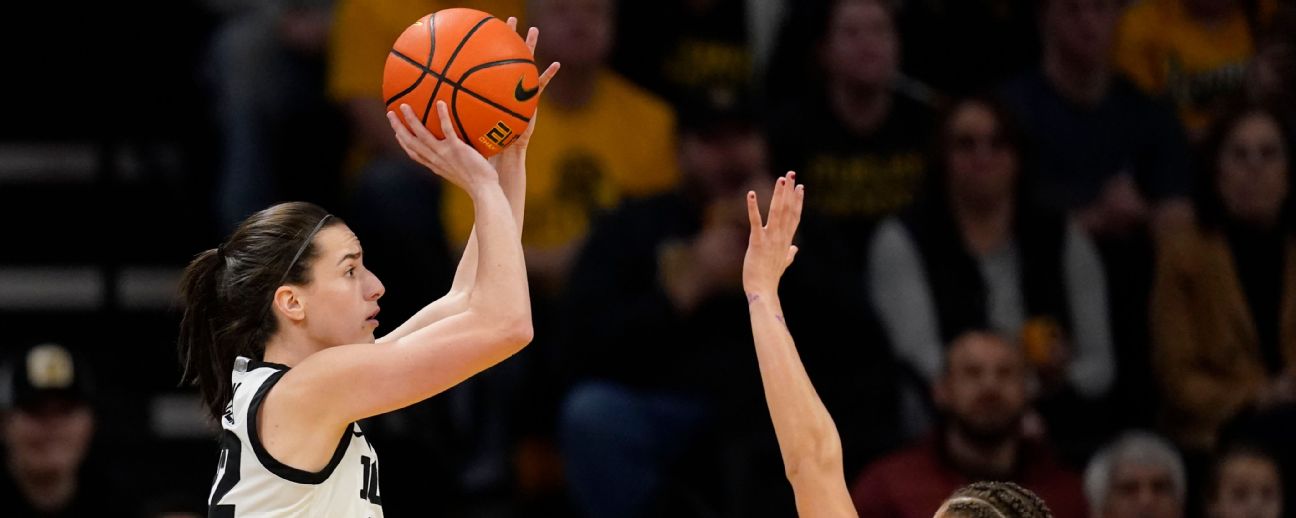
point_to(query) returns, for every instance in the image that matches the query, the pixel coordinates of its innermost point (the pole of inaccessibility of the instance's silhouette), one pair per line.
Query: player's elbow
(513, 330)
(519, 331)
(819, 455)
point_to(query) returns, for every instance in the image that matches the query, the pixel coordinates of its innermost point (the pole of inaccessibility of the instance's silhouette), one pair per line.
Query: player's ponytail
(227, 292)
(203, 364)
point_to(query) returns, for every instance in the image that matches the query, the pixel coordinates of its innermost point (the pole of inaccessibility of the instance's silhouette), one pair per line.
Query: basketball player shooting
(807, 436)
(278, 325)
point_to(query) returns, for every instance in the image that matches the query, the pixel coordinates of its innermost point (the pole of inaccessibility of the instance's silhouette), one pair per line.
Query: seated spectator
(1193, 51)
(604, 141)
(657, 329)
(48, 423)
(1139, 475)
(683, 49)
(854, 141)
(982, 396)
(1272, 77)
(976, 253)
(1107, 152)
(1222, 333)
(1112, 158)
(1245, 483)
(575, 166)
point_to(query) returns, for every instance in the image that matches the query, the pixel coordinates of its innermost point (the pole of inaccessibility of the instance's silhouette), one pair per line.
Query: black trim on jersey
(284, 471)
(257, 364)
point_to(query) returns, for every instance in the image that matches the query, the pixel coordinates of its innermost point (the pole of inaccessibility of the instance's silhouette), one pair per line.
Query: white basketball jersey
(251, 483)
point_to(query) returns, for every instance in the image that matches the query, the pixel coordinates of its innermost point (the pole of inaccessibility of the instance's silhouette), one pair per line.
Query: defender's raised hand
(770, 250)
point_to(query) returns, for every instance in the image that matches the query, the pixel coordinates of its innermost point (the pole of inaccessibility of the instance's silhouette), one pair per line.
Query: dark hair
(995, 500)
(1009, 127)
(1234, 451)
(1211, 214)
(227, 292)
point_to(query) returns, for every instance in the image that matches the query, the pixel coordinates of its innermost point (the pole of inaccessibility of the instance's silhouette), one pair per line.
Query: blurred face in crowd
(1142, 491)
(577, 33)
(1253, 176)
(861, 47)
(1273, 68)
(1082, 30)
(723, 162)
(48, 440)
(982, 165)
(1248, 486)
(983, 390)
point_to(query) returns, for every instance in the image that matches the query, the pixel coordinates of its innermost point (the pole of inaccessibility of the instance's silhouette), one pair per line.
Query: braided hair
(995, 500)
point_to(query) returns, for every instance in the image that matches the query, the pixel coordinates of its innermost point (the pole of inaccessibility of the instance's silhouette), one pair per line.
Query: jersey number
(227, 474)
(370, 490)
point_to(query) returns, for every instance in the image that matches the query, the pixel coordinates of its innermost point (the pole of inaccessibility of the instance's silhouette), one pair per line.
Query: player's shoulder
(250, 379)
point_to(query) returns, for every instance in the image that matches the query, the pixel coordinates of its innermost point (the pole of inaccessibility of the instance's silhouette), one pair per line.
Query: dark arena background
(1045, 241)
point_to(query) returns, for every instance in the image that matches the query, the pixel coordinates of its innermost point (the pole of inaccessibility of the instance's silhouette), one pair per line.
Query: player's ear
(289, 303)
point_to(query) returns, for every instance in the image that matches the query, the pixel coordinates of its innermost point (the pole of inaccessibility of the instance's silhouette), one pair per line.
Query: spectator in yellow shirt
(362, 37)
(1193, 51)
(604, 139)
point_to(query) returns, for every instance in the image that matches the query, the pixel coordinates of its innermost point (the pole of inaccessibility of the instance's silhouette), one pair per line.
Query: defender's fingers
(798, 202)
(777, 201)
(789, 197)
(753, 212)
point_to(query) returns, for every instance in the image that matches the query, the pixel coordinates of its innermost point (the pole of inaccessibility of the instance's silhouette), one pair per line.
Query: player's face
(982, 165)
(1142, 491)
(861, 46)
(1253, 181)
(341, 300)
(50, 438)
(1248, 488)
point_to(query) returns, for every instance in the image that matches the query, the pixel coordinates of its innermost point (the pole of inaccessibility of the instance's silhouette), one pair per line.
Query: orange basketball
(475, 63)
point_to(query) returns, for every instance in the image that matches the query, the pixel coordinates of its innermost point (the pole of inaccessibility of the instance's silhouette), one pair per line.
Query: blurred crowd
(1046, 241)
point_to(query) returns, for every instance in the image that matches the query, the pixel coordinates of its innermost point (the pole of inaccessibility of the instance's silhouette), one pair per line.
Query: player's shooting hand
(450, 158)
(769, 249)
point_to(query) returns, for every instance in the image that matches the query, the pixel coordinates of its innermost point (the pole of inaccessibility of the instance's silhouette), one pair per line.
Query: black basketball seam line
(431, 22)
(469, 91)
(432, 99)
(454, 114)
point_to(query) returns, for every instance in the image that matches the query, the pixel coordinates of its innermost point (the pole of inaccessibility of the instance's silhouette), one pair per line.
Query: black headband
(302, 249)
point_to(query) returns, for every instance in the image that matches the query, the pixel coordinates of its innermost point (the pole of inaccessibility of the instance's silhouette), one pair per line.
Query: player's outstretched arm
(343, 384)
(807, 436)
(511, 166)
